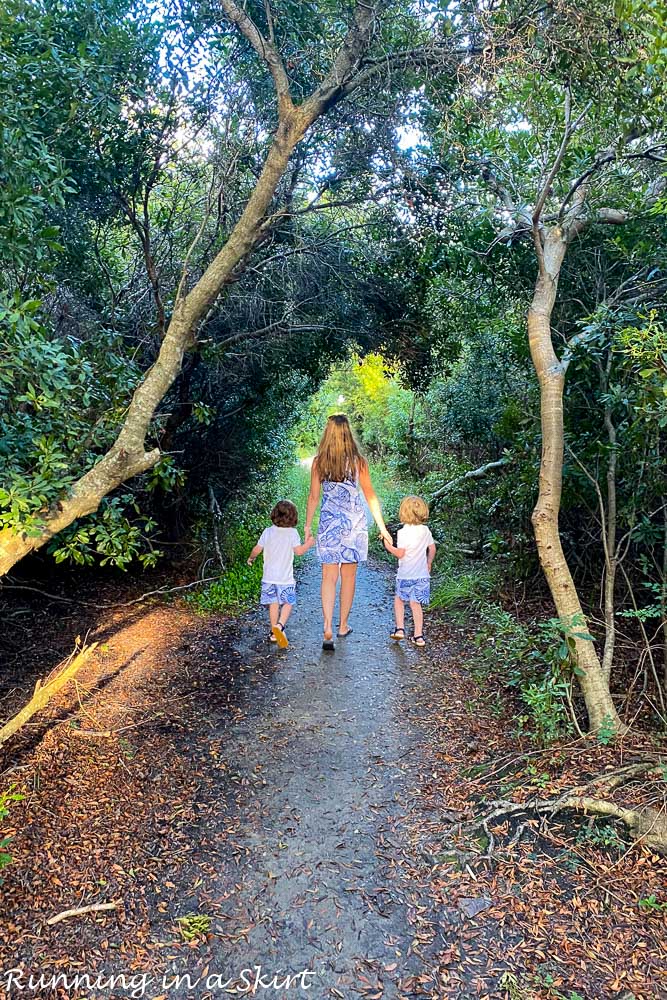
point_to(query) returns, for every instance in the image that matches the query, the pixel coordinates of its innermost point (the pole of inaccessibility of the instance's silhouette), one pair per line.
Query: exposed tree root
(646, 824)
(79, 910)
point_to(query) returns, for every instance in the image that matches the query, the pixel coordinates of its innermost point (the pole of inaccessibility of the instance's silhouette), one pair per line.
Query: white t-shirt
(415, 539)
(278, 544)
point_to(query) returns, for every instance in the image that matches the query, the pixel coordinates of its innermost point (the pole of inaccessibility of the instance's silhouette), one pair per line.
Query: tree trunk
(551, 376)
(609, 532)
(128, 456)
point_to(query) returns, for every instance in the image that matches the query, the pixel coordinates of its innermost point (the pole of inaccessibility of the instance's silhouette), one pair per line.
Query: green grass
(238, 586)
(456, 584)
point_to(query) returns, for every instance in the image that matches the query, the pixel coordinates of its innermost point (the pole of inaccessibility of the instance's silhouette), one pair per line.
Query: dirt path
(265, 790)
(325, 761)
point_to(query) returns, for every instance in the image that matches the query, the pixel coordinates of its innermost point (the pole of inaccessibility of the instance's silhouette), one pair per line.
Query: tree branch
(347, 61)
(265, 49)
(473, 474)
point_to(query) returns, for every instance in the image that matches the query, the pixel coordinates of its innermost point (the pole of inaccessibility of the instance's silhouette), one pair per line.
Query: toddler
(415, 551)
(280, 543)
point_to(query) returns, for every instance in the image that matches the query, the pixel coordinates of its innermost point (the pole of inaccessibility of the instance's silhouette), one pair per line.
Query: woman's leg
(348, 582)
(330, 573)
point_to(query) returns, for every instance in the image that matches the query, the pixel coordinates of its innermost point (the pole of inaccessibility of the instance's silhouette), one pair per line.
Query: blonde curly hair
(413, 510)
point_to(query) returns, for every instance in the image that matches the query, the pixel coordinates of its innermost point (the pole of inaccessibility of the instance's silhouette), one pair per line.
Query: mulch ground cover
(570, 909)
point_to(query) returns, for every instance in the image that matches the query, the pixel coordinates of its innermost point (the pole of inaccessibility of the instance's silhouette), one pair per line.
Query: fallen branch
(44, 691)
(479, 473)
(78, 911)
(104, 607)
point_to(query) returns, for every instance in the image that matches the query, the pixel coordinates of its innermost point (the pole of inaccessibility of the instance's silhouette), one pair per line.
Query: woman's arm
(313, 499)
(372, 500)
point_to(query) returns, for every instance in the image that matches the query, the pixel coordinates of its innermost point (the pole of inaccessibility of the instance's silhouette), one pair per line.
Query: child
(280, 543)
(415, 551)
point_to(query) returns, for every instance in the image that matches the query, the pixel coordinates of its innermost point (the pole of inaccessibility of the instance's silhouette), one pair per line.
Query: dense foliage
(398, 251)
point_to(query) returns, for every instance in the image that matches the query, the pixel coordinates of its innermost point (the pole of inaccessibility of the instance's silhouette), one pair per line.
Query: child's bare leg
(274, 611)
(417, 617)
(285, 612)
(399, 613)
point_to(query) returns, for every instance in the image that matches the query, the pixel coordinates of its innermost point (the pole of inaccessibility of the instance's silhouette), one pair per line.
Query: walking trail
(325, 827)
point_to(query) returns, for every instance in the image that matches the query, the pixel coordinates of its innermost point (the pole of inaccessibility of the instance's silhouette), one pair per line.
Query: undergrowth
(7, 798)
(238, 585)
(534, 661)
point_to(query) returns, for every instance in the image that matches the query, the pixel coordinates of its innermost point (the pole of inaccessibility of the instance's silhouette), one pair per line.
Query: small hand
(249, 562)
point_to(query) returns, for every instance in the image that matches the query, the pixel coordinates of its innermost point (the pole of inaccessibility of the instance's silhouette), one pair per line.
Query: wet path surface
(281, 805)
(325, 765)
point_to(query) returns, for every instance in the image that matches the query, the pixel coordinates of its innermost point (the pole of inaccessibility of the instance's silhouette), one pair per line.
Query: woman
(338, 471)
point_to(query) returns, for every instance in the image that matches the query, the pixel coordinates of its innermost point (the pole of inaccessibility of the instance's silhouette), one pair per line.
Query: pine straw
(564, 910)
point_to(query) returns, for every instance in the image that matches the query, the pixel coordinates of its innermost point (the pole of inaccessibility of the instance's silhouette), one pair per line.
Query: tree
(554, 142)
(610, 153)
(361, 58)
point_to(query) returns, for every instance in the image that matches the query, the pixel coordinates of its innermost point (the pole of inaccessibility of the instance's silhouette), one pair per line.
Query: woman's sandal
(279, 635)
(418, 640)
(344, 635)
(328, 645)
(398, 638)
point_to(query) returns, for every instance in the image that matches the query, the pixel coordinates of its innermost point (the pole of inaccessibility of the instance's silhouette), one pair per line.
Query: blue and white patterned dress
(343, 532)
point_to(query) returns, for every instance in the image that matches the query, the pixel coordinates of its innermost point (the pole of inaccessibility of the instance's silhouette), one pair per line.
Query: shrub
(535, 660)
(6, 799)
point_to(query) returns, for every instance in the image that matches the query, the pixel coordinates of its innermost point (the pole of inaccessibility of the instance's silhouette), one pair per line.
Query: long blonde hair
(338, 456)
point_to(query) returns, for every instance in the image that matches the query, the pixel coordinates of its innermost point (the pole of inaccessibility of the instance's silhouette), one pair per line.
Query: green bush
(535, 660)
(238, 586)
(61, 402)
(6, 799)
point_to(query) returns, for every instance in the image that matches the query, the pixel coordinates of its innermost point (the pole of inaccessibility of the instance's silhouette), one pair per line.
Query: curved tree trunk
(551, 376)
(128, 456)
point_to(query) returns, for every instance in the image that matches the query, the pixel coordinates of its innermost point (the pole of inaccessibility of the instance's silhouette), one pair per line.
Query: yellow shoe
(280, 637)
